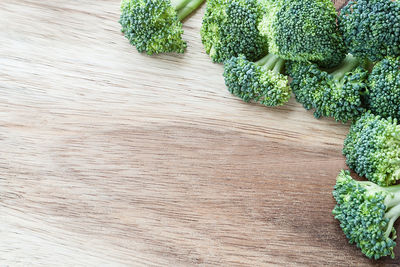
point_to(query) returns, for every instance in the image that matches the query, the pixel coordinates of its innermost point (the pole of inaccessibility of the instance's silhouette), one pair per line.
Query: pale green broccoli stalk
(371, 28)
(260, 81)
(154, 26)
(366, 213)
(303, 30)
(336, 94)
(384, 88)
(229, 28)
(372, 149)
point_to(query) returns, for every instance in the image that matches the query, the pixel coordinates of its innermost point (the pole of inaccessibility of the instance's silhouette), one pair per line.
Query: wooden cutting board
(111, 157)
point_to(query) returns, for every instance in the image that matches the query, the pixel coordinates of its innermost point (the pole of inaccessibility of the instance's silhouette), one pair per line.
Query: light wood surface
(113, 158)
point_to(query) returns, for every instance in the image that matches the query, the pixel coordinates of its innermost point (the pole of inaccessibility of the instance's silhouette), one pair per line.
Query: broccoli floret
(366, 213)
(303, 30)
(371, 28)
(336, 94)
(154, 26)
(229, 28)
(372, 149)
(384, 88)
(259, 81)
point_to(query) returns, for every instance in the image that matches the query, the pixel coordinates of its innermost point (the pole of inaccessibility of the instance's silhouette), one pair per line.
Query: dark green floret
(366, 213)
(371, 28)
(154, 26)
(229, 28)
(303, 30)
(372, 149)
(384, 88)
(336, 94)
(260, 81)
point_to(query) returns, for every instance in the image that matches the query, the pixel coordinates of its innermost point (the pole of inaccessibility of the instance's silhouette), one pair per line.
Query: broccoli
(372, 149)
(371, 28)
(337, 94)
(384, 88)
(366, 213)
(259, 81)
(229, 28)
(303, 30)
(154, 26)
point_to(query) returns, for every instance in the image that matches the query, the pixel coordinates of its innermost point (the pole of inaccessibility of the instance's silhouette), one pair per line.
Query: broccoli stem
(392, 203)
(185, 7)
(394, 189)
(265, 59)
(396, 174)
(349, 64)
(393, 214)
(279, 66)
(272, 62)
(179, 4)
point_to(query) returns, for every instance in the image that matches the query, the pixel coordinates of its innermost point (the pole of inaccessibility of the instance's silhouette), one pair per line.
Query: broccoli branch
(349, 64)
(185, 7)
(272, 62)
(392, 215)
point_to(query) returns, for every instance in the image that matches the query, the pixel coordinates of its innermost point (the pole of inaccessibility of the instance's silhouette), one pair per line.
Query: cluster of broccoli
(344, 66)
(255, 38)
(368, 210)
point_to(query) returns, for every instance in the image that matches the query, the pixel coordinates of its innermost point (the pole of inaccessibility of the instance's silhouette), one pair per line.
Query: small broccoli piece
(154, 26)
(371, 28)
(303, 30)
(336, 94)
(366, 213)
(384, 88)
(259, 81)
(229, 28)
(372, 149)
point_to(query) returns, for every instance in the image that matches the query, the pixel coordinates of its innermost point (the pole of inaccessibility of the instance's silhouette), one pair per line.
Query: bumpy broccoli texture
(303, 30)
(384, 88)
(154, 26)
(260, 81)
(229, 28)
(371, 28)
(366, 213)
(336, 94)
(372, 149)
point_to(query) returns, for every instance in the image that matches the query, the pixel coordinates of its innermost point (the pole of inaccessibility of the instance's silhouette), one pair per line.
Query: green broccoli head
(229, 28)
(372, 149)
(371, 28)
(304, 30)
(154, 26)
(366, 213)
(259, 81)
(337, 94)
(384, 88)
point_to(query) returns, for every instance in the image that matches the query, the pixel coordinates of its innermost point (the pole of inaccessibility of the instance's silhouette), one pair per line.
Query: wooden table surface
(111, 157)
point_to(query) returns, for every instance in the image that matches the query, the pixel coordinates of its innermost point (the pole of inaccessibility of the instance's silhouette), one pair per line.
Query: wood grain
(110, 157)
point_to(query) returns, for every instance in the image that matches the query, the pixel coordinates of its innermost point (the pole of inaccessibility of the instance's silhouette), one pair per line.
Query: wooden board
(110, 157)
